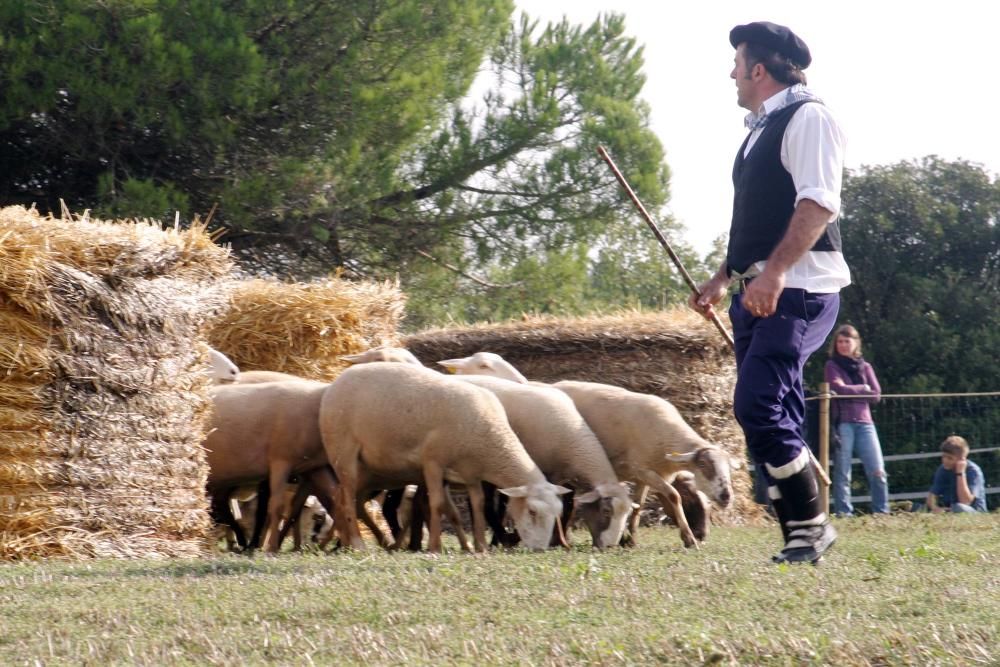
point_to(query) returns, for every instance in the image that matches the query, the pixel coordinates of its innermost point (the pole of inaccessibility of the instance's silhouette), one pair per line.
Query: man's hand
(761, 297)
(712, 291)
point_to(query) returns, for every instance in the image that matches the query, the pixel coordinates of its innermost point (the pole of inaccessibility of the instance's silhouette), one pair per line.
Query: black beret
(775, 37)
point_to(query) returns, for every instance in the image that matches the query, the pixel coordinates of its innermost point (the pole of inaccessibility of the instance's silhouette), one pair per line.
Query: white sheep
(648, 442)
(396, 354)
(221, 369)
(258, 377)
(386, 425)
(564, 447)
(267, 430)
(646, 439)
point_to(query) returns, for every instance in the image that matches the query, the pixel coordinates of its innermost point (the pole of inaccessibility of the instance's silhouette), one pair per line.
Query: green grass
(902, 590)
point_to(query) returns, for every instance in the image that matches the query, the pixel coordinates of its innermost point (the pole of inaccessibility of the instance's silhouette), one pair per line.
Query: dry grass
(904, 590)
(303, 328)
(103, 399)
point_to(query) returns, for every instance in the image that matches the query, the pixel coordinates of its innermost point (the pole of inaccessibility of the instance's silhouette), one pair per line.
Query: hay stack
(103, 397)
(674, 354)
(303, 328)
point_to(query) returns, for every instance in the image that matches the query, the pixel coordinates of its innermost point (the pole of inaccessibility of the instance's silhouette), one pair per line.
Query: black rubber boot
(807, 529)
(780, 508)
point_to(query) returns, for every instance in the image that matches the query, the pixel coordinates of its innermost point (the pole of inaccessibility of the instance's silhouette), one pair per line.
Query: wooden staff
(662, 239)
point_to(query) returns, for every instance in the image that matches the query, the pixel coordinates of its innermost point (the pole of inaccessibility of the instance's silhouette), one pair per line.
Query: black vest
(764, 198)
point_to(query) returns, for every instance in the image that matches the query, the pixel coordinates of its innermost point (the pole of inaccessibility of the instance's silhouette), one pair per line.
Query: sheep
(696, 505)
(385, 425)
(646, 439)
(258, 377)
(648, 442)
(397, 354)
(266, 430)
(564, 447)
(394, 497)
(237, 514)
(220, 368)
(243, 511)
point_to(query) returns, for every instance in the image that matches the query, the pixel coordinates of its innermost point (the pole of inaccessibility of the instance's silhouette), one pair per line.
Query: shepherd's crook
(687, 278)
(662, 239)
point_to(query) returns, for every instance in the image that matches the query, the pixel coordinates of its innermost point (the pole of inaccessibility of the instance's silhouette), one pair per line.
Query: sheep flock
(290, 454)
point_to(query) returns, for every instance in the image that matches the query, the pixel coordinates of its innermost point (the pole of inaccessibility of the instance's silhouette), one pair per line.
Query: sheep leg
(633, 520)
(223, 515)
(434, 479)
(671, 498)
(278, 473)
(260, 514)
(456, 520)
(346, 517)
(477, 503)
(495, 510)
(391, 501)
(419, 509)
(560, 531)
(376, 530)
(302, 492)
(324, 487)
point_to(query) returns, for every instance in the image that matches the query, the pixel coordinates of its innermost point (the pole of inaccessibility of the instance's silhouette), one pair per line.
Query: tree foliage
(392, 136)
(923, 243)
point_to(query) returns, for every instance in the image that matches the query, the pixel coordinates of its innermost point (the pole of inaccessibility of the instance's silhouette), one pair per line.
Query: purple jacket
(854, 410)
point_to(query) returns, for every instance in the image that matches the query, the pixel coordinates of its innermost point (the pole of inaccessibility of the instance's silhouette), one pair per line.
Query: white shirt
(812, 151)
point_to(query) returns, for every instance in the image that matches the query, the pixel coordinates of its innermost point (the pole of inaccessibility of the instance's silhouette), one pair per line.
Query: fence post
(824, 440)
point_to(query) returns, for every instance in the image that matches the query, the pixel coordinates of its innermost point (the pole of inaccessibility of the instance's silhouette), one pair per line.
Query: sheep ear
(735, 463)
(561, 490)
(681, 458)
(515, 491)
(589, 497)
(684, 475)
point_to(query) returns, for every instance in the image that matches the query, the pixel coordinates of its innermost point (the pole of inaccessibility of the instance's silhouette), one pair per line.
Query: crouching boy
(958, 484)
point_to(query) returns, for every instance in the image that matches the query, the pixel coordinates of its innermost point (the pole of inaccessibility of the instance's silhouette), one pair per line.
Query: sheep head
(221, 369)
(605, 510)
(712, 468)
(392, 354)
(485, 363)
(534, 509)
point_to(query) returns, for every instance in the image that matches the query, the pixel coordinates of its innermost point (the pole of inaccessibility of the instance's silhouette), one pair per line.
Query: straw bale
(674, 354)
(104, 401)
(303, 328)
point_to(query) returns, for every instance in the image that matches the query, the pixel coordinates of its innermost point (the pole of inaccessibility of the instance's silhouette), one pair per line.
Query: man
(958, 484)
(784, 249)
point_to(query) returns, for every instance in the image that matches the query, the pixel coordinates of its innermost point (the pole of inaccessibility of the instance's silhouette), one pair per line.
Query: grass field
(902, 590)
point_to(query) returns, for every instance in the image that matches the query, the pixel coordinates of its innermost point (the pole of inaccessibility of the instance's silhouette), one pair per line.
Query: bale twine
(304, 328)
(673, 354)
(104, 394)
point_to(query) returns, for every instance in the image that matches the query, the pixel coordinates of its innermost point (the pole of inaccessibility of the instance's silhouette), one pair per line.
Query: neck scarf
(793, 94)
(852, 366)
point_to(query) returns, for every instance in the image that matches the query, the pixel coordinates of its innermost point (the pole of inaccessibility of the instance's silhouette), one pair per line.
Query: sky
(905, 80)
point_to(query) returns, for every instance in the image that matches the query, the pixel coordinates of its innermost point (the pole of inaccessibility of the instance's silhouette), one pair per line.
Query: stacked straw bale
(104, 394)
(304, 328)
(674, 354)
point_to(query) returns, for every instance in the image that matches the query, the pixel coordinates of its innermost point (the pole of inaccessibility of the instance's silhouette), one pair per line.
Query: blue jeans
(962, 508)
(860, 439)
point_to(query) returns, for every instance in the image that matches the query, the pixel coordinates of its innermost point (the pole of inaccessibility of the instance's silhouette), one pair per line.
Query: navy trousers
(771, 352)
